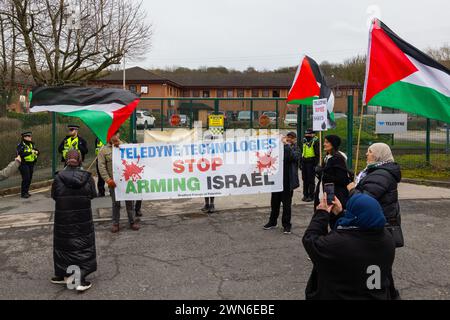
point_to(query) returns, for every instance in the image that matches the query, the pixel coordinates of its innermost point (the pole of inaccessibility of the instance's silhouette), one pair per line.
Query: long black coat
(335, 171)
(74, 236)
(341, 259)
(381, 183)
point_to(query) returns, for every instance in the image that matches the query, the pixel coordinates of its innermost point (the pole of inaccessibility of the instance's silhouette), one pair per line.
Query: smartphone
(328, 188)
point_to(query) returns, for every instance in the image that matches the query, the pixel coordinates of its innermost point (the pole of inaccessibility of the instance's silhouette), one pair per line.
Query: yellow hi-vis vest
(308, 149)
(70, 144)
(32, 157)
(98, 147)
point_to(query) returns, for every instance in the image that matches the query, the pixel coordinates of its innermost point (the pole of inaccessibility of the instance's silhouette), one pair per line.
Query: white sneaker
(86, 285)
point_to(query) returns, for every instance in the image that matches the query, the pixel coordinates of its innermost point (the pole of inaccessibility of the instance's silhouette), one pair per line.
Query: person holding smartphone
(334, 170)
(345, 257)
(290, 183)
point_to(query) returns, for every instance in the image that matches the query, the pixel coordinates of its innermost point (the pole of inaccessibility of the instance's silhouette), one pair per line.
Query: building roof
(133, 74)
(217, 80)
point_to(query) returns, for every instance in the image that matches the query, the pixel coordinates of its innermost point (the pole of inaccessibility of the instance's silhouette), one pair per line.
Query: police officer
(73, 141)
(100, 183)
(310, 159)
(28, 153)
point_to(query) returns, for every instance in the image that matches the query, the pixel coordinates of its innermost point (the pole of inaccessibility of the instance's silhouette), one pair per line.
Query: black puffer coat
(381, 183)
(74, 236)
(292, 157)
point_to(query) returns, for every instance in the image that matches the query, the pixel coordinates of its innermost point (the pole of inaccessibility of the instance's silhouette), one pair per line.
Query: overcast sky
(269, 34)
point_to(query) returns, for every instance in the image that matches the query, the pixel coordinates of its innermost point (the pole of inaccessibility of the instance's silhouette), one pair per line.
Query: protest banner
(320, 115)
(246, 165)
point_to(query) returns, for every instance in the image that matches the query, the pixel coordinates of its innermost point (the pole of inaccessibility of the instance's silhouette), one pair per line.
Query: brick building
(197, 85)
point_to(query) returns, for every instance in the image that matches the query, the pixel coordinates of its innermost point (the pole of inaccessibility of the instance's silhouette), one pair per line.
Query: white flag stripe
(429, 77)
(107, 108)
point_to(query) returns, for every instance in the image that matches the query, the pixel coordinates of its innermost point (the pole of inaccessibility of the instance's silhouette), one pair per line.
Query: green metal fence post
(277, 117)
(350, 131)
(428, 142)
(447, 149)
(54, 144)
(162, 115)
(251, 114)
(305, 119)
(299, 125)
(216, 106)
(191, 115)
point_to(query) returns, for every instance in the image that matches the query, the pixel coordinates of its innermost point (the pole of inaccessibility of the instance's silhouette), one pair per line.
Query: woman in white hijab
(380, 180)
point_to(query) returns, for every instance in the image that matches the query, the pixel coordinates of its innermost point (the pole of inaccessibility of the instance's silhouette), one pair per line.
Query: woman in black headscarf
(74, 236)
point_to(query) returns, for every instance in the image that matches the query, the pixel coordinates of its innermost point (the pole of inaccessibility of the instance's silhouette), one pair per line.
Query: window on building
(338, 93)
(240, 93)
(276, 93)
(133, 88)
(255, 93)
(265, 93)
(195, 93)
(186, 93)
(144, 89)
(230, 93)
(350, 92)
(205, 94)
(219, 93)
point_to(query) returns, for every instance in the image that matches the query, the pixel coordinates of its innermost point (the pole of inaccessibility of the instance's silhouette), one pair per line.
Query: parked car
(272, 115)
(184, 120)
(144, 119)
(245, 116)
(290, 120)
(339, 115)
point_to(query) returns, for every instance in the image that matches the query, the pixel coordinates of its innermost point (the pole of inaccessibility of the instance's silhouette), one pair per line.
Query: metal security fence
(48, 131)
(424, 150)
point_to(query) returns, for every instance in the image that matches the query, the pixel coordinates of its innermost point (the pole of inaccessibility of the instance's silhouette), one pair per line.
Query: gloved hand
(318, 170)
(111, 184)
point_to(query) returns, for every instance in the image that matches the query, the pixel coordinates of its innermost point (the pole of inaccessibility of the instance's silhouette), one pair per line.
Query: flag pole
(359, 140)
(92, 163)
(320, 148)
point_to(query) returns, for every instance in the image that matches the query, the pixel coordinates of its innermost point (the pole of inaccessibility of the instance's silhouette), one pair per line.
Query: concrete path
(222, 256)
(38, 210)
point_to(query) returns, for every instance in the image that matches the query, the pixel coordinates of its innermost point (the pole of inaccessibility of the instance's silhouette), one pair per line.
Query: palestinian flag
(400, 76)
(102, 110)
(309, 84)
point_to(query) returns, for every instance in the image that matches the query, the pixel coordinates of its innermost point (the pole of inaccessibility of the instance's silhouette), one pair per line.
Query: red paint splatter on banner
(265, 162)
(132, 171)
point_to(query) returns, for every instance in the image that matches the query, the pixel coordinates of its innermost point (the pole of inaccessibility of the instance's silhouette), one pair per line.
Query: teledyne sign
(391, 123)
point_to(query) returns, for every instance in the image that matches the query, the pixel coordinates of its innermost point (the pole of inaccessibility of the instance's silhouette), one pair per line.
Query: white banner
(214, 168)
(320, 119)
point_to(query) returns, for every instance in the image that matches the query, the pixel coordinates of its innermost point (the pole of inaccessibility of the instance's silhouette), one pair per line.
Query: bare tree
(441, 54)
(56, 52)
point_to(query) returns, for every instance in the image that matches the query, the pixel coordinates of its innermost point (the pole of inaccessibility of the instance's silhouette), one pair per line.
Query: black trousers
(309, 179)
(278, 198)
(100, 183)
(208, 201)
(26, 170)
(138, 206)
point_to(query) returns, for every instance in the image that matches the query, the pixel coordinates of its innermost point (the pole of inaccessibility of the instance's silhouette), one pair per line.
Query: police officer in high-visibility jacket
(28, 153)
(73, 141)
(310, 159)
(100, 183)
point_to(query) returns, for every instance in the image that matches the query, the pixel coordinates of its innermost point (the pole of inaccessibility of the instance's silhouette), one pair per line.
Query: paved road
(225, 256)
